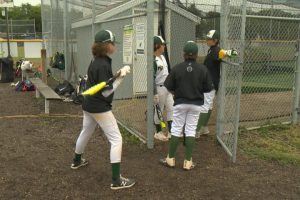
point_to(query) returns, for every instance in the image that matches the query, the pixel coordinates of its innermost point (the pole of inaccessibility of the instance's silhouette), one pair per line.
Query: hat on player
(105, 36)
(158, 40)
(190, 48)
(213, 35)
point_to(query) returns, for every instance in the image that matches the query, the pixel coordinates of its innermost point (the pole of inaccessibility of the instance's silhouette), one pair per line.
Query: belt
(160, 86)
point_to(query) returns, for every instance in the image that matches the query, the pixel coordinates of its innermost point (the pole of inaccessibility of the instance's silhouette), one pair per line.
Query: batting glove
(231, 53)
(124, 70)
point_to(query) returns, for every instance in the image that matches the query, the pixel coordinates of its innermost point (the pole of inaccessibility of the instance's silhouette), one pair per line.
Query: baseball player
(213, 63)
(188, 81)
(162, 96)
(97, 108)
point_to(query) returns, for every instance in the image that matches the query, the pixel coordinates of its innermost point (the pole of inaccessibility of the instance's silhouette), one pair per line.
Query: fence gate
(228, 97)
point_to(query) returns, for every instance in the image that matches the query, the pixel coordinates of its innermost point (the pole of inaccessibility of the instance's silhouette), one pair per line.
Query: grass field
(280, 143)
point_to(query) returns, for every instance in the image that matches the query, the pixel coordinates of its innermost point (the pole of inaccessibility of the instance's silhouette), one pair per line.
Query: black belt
(160, 85)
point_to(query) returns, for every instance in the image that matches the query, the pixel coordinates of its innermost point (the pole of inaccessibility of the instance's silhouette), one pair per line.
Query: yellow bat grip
(162, 124)
(93, 90)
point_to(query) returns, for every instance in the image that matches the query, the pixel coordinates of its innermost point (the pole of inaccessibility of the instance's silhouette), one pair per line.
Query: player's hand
(231, 53)
(124, 70)
(155, 99)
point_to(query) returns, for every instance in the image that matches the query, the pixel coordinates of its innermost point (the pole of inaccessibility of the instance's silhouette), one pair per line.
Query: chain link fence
(18, 29)
(257, 87)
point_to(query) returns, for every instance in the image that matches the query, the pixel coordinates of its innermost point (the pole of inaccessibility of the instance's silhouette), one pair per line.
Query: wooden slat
(48, 93)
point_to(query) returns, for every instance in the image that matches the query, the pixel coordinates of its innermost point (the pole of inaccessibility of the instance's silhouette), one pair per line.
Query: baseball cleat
(160, 136)
(188, 165)
(168, 162)
(122, 183)
(76, 164)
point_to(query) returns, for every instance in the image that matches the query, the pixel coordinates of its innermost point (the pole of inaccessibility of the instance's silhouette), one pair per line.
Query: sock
(115, 168)
(203, 120)
(207, 118)
(169, 126)
(77, 157)
(189, 145)
(173, 146)
(158, 128)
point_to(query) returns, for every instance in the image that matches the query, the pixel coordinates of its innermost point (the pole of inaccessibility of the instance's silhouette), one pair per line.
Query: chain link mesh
(267, 54)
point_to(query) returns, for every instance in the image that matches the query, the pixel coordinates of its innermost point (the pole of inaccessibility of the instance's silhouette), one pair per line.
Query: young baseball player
(162, 96)
(188, 81)
(213, 63)
(97, 108)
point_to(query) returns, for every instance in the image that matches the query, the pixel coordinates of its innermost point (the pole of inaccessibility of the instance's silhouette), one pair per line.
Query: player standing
(162, 96)
(97, 108)
(188, 81)
(213, 63)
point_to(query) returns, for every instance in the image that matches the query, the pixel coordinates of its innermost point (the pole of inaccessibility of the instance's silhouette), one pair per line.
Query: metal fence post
(65, 14)
(240, 76)
(296, 89)
(93, 18)
(150, 34)
(221, 92)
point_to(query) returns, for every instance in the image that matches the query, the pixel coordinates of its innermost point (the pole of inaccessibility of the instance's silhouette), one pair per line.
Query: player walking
(213, 63)
(162, 96)
(188, 81)
(97, 108)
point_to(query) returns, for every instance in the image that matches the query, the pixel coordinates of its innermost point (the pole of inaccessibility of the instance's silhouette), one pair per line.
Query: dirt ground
(36, 153)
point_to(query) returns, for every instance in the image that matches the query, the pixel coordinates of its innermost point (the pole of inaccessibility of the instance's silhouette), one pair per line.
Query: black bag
(64, 88)
(6, 70)
(58, 61)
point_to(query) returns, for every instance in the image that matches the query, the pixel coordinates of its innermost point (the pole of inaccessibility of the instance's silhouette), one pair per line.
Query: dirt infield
(36, 154)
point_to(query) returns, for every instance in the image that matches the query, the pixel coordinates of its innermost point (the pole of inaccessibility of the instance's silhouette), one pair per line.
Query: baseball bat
(159, 115)
(98, 87)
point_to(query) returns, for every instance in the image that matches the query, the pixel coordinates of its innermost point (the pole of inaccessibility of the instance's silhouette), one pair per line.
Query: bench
(46, 91)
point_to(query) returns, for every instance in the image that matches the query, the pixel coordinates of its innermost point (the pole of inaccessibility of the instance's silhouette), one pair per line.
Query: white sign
(6, 3)
(127, 44)
(140, 39)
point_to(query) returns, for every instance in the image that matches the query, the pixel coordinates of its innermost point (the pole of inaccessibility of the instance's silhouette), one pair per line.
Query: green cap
(213, 34)
(191, 48)
(105, 36)
(158, 40)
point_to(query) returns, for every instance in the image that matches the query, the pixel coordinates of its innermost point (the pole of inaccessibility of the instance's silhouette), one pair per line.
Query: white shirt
(162, 70)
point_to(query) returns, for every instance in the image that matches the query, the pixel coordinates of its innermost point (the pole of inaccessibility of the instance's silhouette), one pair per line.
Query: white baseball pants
(110, 128)
(209, 100)
(165, 102)
(186, 115)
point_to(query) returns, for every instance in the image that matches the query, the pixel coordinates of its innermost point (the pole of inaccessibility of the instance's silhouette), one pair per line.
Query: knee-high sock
(203, 119)
(189, 145)
(173, 143)
(115, 168)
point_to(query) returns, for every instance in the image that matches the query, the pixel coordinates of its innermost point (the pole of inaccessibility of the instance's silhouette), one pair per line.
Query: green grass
(279, 143)
(128, 137)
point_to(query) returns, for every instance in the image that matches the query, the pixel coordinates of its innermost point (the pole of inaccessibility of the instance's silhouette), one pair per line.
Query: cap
(105, 36)
(158, 40)
(213, 34)
(191, 48)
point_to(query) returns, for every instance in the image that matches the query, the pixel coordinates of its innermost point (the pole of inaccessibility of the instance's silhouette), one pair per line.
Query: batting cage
(258, 87)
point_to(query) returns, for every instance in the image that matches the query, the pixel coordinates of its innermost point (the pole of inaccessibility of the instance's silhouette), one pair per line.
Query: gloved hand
(124, 71)
(231, 53)
(155, 99)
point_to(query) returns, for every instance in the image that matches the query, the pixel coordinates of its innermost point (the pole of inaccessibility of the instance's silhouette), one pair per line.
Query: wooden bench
(46, 91)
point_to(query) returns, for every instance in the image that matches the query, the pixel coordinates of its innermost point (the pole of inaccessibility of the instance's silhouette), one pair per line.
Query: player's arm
(115, 84)
(170, 82)
(207, 82)
(154, 76)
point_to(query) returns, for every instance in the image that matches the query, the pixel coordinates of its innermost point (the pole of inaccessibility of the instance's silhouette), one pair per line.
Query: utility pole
(7, 33)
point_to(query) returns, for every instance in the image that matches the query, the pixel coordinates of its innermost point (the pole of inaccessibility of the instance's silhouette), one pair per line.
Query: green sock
(203, 120)
(173, 146)
(207, 118)
(158, 128)
(115, 167)
(169, 126)
(189, 145)
(77, 157)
